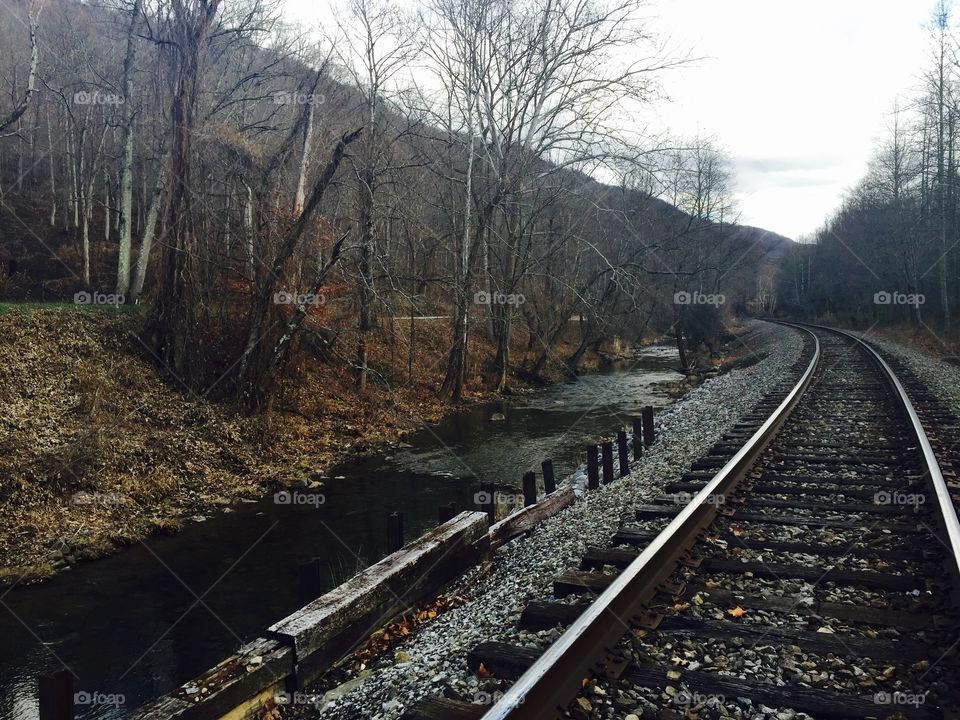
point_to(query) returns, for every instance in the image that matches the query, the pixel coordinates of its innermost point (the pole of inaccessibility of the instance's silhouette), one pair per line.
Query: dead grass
(97, 452)
(931, 340)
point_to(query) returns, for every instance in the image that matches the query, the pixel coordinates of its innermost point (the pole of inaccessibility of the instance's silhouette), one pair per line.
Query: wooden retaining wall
(299, 648)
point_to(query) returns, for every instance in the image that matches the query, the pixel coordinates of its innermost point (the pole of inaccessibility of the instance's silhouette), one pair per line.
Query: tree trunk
(453, 381)
(365, 289)
(305, 150)
(174, 333)
(149, 229)
(53, 177)
(257, 367)
(126, 170)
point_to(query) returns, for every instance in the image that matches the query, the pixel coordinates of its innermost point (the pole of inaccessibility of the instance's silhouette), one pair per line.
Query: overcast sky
(797, 93)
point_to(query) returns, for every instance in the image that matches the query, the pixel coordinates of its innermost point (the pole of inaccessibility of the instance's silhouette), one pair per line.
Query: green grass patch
(14, 307)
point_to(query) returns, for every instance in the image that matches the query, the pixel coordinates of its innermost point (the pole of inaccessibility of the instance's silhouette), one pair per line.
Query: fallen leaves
(393, 634)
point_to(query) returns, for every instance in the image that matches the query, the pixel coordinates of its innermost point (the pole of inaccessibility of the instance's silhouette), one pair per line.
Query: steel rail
(555, 678)
(948, 512)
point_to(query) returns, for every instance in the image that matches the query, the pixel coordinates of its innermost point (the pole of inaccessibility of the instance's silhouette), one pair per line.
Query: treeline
(890, 252)
(268, 190)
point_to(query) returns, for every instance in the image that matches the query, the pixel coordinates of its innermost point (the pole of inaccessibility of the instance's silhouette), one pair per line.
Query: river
(140, 623)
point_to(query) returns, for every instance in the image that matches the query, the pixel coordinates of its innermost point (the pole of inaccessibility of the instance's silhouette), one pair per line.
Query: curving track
(807, 565)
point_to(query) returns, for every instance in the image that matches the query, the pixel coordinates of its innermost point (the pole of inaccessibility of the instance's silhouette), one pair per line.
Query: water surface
(146, 620)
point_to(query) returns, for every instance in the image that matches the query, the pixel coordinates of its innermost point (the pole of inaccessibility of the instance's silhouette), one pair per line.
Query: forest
(262, 195)
(889, 254)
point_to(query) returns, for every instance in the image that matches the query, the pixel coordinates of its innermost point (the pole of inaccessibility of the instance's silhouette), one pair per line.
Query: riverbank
(433, 660)
(97, 451)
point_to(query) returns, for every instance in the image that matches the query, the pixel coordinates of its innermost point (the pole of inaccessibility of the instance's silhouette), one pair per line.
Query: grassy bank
(98, 450)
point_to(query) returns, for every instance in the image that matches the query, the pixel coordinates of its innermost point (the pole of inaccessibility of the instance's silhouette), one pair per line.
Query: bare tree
(21, 105)
(374, 44)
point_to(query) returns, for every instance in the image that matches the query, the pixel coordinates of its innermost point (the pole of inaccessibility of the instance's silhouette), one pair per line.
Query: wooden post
(56, 695)
(529, 488)
(607, 450)
(446, 513)
(623, 453)
(549, 481)
(309, 576)
(488, 501)
(394, 531)
(637, 438)
(648, 426)
(593, 472)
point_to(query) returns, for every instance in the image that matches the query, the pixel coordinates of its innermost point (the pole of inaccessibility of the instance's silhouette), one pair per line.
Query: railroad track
(807, 565)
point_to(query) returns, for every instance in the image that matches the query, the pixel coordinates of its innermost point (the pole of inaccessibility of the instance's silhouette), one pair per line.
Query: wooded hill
(268, 194)
(890, 253)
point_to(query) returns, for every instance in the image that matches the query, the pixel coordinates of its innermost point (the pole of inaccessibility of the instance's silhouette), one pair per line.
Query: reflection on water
(142, 622)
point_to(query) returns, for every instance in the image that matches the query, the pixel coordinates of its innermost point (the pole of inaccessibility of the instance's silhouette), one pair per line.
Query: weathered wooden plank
(790, 466)
(245, 680)
(710, 462)
(905, 513)
(645, 511)
(335, 623)
(596, 558)
(751, 501)
(822, 489)
(529, 517)
(907, 554)
(901, 650)
(821, 459)
(546, 615)
(633, 536)
(163, 708)
(899, 618)
(818, 703)
(502, 660)
(901, 481)
(775, 571)
(803, 520)
(577, 582)
(440, 708)
(648, 511)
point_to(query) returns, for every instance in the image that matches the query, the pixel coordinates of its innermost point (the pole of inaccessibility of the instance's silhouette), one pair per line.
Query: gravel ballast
(941, 378)
(433, 661)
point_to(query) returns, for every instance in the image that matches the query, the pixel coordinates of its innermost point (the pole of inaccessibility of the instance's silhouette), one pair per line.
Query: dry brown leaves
(385, 640)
